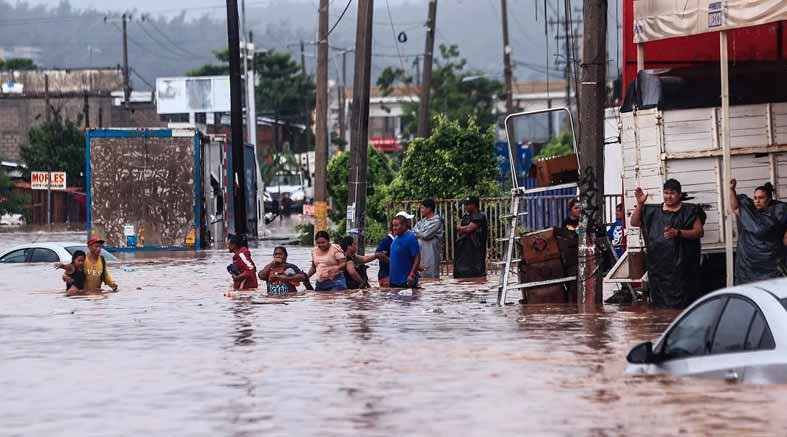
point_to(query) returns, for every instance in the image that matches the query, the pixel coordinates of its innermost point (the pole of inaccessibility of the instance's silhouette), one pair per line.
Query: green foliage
(455, 161)
(458, 93)
(305, 234)
(283, 90)
(56, 145)
(10, 202)
(379, 176)
(17, 64)
(558, 146)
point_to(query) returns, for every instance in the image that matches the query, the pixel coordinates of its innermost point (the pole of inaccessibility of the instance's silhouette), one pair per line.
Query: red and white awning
(662, 19)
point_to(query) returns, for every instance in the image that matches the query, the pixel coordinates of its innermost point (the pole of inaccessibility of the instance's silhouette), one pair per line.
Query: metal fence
(544, 210)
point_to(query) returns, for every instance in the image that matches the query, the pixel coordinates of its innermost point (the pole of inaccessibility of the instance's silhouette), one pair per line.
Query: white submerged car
(46, 253)
(738, 334)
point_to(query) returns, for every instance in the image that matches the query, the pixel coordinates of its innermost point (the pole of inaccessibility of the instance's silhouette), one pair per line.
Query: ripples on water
(171, 355)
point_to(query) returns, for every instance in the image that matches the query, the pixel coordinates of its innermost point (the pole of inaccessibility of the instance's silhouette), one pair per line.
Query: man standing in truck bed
(672, 232)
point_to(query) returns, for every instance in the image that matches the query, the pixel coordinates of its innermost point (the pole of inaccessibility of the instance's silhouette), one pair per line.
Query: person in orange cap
(95, 267)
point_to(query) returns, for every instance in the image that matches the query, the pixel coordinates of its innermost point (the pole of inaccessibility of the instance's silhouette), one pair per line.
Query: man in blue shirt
(383, 254)
(405, 254)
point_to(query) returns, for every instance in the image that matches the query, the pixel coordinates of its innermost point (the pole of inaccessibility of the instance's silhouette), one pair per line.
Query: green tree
(17, 64)
(283, 91)
(56, 145)
(214, 69)
(558, 146)
(380, 174)
(10, 202)
(455, 161)
(458, 93)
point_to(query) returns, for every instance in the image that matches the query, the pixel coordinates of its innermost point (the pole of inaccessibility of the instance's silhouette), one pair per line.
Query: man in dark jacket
(470, 247)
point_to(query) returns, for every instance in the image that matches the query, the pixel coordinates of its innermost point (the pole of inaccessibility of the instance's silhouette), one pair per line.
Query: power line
(349, 2)
(139, 76)
(393, 33)
(160, 44)
(157, 29)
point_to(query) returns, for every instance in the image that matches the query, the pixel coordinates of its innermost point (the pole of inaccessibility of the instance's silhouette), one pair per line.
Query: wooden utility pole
(508, 71)
(321, 150)
(591, 149)
(126, 84)
(359, 143)
(236, 117)
(47, 106)
(425, 109)
(342, 98)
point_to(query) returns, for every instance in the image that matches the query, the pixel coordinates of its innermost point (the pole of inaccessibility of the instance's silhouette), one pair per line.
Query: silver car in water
(738, 334)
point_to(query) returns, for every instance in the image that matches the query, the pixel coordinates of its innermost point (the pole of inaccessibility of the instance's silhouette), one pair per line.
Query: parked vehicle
(47, 253)
(288, 191)
(12, 220)
(738, 334)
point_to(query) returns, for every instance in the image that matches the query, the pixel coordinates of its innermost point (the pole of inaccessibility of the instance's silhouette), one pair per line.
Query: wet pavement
(170, 354)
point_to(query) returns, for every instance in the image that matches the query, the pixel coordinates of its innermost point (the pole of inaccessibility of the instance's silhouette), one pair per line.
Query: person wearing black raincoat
(672, 232)
(470, 246)
(762, 223)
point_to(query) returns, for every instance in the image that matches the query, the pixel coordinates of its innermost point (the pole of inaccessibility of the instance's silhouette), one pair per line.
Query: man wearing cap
(470, 248)
(429, 231)
(95, 267)
(405, 253)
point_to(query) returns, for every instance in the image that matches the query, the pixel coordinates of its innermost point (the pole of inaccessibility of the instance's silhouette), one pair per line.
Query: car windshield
(286, 179)
(107, 256)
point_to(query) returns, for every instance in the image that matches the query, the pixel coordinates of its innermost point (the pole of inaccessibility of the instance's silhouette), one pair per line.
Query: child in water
(242, 269)
(74, 273)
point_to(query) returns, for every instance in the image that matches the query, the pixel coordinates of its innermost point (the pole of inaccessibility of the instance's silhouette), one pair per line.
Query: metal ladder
(505, 284)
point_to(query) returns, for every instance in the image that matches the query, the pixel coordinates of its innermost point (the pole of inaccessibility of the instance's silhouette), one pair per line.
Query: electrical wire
(341, 16)
(164, 35)
(162, 45)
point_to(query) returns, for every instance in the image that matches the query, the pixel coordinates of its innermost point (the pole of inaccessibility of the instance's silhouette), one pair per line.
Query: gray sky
(153, 6)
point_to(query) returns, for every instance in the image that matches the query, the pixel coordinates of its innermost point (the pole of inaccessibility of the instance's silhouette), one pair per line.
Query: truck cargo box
(144, 188)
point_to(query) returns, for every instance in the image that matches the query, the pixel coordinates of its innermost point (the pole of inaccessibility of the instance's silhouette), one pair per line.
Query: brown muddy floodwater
(171, 355)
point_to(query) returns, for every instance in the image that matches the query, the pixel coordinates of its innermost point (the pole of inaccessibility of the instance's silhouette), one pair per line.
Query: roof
(66, 81)
(73, 190)
(520, 88)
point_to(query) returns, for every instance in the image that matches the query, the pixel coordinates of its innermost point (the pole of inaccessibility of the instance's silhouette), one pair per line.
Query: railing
(544, 210)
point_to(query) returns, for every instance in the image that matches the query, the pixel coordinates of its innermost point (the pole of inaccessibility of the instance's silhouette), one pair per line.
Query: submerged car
(738, 334)
(46, 253)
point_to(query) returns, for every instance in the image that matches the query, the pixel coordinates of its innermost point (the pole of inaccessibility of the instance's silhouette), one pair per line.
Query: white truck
(685, 144)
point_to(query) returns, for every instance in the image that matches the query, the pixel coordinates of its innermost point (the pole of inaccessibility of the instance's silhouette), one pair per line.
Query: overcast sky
(158, 5)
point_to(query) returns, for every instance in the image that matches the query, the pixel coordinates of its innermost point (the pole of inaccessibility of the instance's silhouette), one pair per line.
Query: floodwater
(170, 354)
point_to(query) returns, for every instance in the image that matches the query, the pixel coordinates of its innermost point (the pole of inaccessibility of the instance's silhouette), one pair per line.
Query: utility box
(145, 188)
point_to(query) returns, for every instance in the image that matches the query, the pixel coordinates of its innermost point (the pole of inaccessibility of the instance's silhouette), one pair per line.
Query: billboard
(39, 180)
(184, 95)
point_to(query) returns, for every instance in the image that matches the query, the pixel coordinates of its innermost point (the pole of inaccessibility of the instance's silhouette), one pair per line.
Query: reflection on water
(172, 355)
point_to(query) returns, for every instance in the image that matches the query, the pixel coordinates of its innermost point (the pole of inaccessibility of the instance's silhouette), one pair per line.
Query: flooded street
(170, 354)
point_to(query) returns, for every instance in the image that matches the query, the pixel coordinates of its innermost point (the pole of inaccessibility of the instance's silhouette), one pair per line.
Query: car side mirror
(642, 354)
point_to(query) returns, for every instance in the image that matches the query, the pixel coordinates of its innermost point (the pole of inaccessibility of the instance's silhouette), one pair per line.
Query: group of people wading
(405, 256)
(673, 229)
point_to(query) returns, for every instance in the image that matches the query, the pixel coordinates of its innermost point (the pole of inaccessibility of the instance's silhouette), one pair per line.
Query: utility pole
(417, 64)
(47, 106)
(321, 150)
(359, 144)
(86, 110)
(306, 108)
(507, 60)
(236, 116)
(591, 149)
(424, 111)
(126, 85)
(342, 98)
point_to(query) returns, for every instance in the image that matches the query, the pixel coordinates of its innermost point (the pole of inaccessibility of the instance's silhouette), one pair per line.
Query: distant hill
(169, 46)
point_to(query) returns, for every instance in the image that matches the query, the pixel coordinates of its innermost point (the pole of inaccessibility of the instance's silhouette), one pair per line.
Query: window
(759, 337)
(692, 335)
(17, 256)
(733, 326)
(41, 255)
(107, 256)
